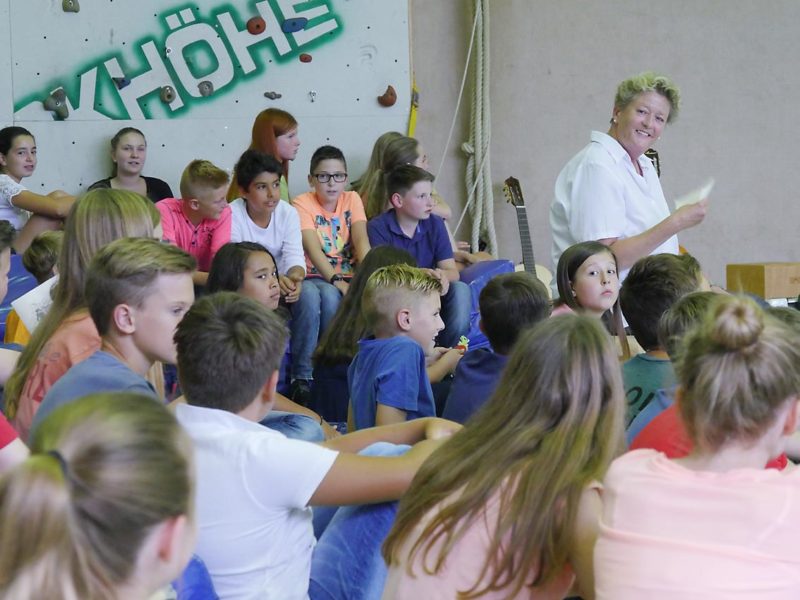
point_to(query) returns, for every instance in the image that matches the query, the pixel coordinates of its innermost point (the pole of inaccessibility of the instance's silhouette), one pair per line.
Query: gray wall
(555, 67)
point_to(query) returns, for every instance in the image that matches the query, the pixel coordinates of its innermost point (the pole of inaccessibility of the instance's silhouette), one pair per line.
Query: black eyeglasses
(326, 177)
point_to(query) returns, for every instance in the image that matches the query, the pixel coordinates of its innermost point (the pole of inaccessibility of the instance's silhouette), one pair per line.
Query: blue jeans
(456, 309)
(311, 315)
(347, 562)
(292, 425)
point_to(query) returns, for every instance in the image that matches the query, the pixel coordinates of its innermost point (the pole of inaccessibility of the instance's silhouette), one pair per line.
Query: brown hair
(105, 470)
(736, 370)
(372, 189)
(228, 347)
(40, 258)
(509, 304)
(551, 428)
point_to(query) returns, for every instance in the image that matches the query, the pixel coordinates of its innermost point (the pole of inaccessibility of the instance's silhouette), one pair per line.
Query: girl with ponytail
(102, 510)
(716, 523)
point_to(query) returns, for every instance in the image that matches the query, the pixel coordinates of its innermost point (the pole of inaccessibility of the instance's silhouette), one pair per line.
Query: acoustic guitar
(513, 193)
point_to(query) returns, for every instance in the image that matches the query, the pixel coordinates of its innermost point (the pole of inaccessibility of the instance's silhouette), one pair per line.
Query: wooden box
(768, 280)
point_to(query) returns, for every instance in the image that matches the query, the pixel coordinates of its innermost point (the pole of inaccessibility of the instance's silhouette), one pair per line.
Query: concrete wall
(555, 67)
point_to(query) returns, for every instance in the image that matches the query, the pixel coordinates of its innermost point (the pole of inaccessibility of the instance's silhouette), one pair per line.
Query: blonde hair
(201, 175)
(97, 218)
(737, 368)
(105, 470)
(376, 158)
(649, 82)
(124, 272)
(551, 428)
(389, 288)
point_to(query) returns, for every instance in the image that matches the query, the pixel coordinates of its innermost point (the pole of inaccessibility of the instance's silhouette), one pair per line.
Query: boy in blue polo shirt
(410, 225)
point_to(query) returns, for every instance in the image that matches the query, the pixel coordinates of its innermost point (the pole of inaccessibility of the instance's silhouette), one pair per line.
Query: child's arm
(355, 479)
(444, 364)
(448, 268)
(55, 204)
(388, 415)
(360, 239)
(317, 257)
(407, 432)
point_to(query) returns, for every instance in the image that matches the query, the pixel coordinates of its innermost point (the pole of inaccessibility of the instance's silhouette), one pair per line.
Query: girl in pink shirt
(715, 524)
(507, 507)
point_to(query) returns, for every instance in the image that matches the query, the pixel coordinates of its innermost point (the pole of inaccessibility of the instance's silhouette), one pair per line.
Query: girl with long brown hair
(508, 506)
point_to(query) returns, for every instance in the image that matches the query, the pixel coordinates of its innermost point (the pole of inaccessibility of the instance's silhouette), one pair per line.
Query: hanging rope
(480, 199)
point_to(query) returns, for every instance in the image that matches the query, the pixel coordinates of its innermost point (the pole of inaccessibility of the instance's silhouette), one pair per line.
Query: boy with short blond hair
(388, 380)
(411, 225)
(199, 222)
(137, 291)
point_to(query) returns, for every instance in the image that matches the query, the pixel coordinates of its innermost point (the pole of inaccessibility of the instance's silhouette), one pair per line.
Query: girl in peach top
(507, 507)
(715, 524)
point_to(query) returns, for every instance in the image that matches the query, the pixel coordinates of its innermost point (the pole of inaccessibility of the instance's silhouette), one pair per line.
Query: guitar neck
(525, 240)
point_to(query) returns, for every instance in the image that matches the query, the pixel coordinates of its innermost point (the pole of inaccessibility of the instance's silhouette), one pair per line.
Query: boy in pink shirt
(200, 221)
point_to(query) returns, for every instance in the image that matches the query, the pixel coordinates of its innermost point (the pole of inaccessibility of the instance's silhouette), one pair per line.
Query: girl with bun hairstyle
(103, 508)
(714, 524)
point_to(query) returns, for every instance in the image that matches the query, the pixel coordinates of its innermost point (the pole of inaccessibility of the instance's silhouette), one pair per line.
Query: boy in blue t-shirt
(509, 304)
(387, 378)
(412, 226)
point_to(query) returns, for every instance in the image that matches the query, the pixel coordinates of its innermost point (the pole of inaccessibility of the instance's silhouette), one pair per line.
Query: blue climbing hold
(293, 25)
(121, 82)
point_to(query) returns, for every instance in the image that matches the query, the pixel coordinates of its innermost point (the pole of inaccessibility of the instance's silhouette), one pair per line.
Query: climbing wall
(192, 76)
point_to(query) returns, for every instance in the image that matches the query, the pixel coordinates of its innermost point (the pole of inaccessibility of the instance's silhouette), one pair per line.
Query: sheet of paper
(695, 195)
(33, 306)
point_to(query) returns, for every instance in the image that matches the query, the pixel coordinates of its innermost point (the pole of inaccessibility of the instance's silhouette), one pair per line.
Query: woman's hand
(690, 215)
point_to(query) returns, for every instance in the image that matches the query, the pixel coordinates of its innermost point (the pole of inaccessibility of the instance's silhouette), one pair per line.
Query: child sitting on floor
(137, 290)
(714, 524)
(410, 225)
(249, 269)
(654, 283)
(40, 261)
(388, 379)
(254, 486)
(334, 233)
(509, 304)
(104, 508)
(687, 312)
(199, 222)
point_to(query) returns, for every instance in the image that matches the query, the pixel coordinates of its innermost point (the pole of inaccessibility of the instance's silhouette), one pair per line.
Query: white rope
(480, 200)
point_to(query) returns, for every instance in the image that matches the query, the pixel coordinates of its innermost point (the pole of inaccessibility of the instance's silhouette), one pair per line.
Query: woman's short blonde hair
(649, 82)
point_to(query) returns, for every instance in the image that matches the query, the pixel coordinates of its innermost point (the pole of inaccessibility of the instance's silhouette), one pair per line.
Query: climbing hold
(389, 97)
(167, 94)
(121, 82)
(305, 58)
(70, 6)
(57, 103)
(312, 95)
(272, 95)
(206, 88)
(256, 25)
(293, 25)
